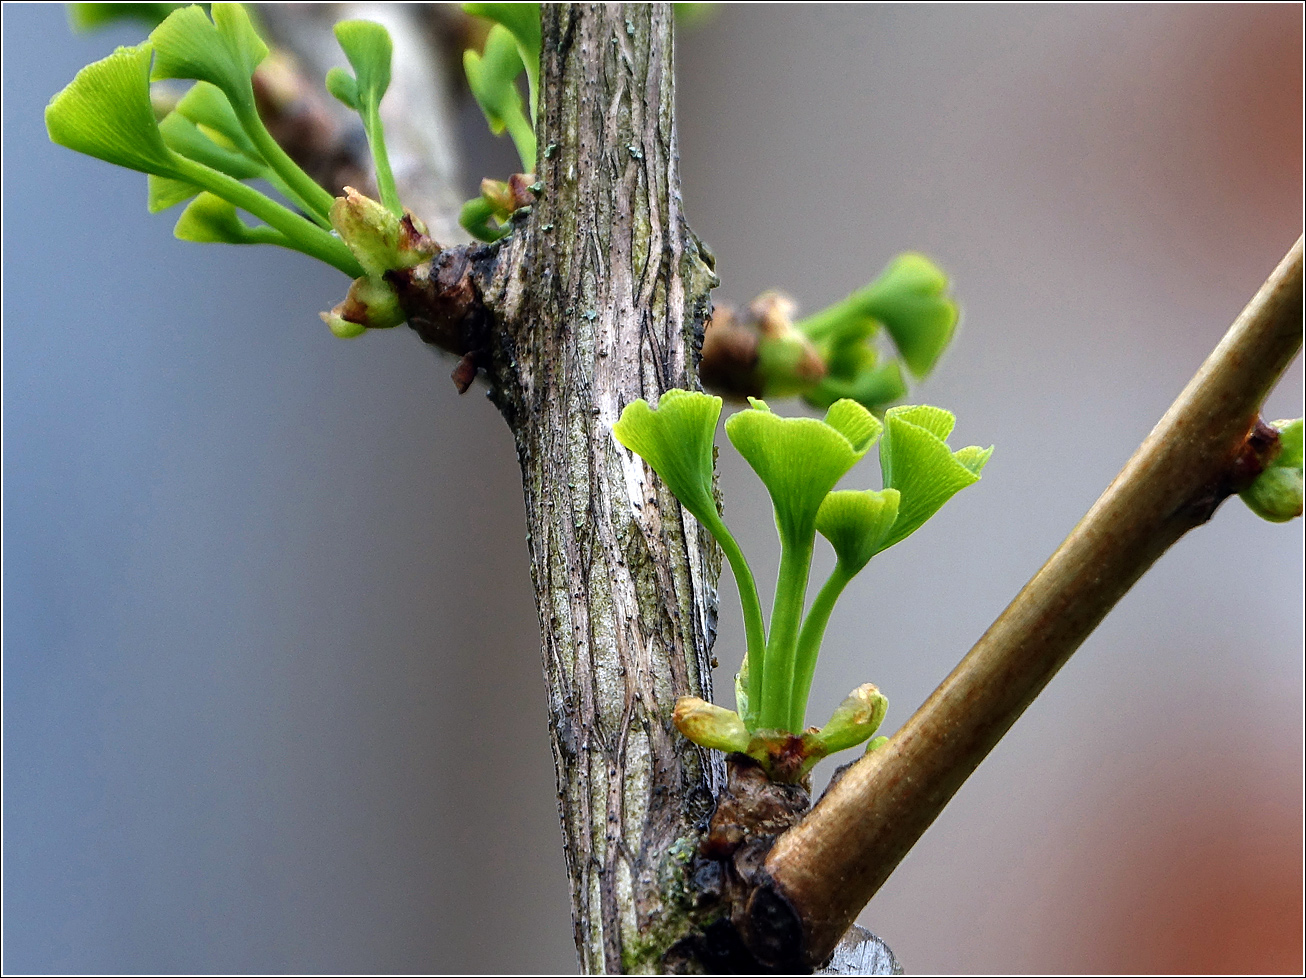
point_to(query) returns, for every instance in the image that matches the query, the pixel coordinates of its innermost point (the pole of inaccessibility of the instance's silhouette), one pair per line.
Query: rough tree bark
(599, 298)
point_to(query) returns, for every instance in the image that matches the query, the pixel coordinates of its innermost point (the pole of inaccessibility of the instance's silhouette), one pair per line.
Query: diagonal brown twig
(1208, 445)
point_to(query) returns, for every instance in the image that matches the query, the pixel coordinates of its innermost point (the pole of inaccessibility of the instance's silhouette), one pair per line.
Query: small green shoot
(368, 47)
(492, 77)
(522, 21)
(800, 461)
(512, 47)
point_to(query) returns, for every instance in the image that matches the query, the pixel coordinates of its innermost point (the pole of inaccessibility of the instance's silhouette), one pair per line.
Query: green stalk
(303, 235)
(809, 643)
(523, 137)
(317, 201)
(754, 629)
(786, 615)
(822, 324)
(385, 180)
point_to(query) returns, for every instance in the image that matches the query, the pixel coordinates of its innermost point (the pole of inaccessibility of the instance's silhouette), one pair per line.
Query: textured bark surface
(598, 299)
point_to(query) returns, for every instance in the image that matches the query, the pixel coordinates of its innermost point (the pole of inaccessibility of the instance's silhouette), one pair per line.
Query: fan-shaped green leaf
(676, 440)
(911, 299)
(856, 523)
(223, 51)
(522, 20)
(207, 107)
(212, 220)
(800, 460)
(181, 135)
(368, 47)
(917, 462)
(105, 112)
(165, 192)
(91, 16)
(492, 77)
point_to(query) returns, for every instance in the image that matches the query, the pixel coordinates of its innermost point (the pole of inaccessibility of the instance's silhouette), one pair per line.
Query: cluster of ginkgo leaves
(800, 461)
(211, 141)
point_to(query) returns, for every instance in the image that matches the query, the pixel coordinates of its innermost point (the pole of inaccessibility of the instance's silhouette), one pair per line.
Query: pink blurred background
(272, 695)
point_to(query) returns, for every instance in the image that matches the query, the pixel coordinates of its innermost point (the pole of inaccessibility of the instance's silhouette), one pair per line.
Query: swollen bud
(856, 719)
(379, 240)
(710, 726)
(1277, 493)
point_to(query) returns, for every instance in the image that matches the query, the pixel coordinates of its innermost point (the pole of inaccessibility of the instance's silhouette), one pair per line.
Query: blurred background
(272, 699)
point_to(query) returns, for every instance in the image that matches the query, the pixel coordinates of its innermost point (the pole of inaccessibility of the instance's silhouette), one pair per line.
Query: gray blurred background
(272, 699)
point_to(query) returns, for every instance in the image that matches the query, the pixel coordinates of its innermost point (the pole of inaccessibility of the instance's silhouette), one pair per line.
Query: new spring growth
(800, 461)
(1276, 495)
(210, 141)
(512, 48)
(836, 353)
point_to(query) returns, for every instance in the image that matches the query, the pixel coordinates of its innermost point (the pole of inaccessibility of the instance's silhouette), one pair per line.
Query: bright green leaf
(492, 77)
(872, 386)
(916, 460)
(675, 439)
(165, 192)
(911, 299)
(368, 47)
(343, 86)
(522, 20)
(800, 460)
(181, 135)
(856, 523)
(105, 112)
(212, 220)
(207, 107)
(223, 51)
(92, 16)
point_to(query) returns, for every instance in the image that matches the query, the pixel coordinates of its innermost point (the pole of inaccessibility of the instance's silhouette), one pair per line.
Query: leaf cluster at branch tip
(800, 461)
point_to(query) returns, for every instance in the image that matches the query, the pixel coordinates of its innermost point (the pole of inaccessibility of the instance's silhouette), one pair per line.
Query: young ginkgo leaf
(492, 77)
(522, 20)
(911, 300)
(223, 51)
(105, 112)
(91, 16)
(675, 439)
(916, 460)
(165, 192)
(800, 460)
(856, 523)
(207, 107)
(211, 220)
(343, 86)
(181, 135)
(369, 49)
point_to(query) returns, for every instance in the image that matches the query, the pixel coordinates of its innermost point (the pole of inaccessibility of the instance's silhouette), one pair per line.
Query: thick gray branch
(599, 299)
